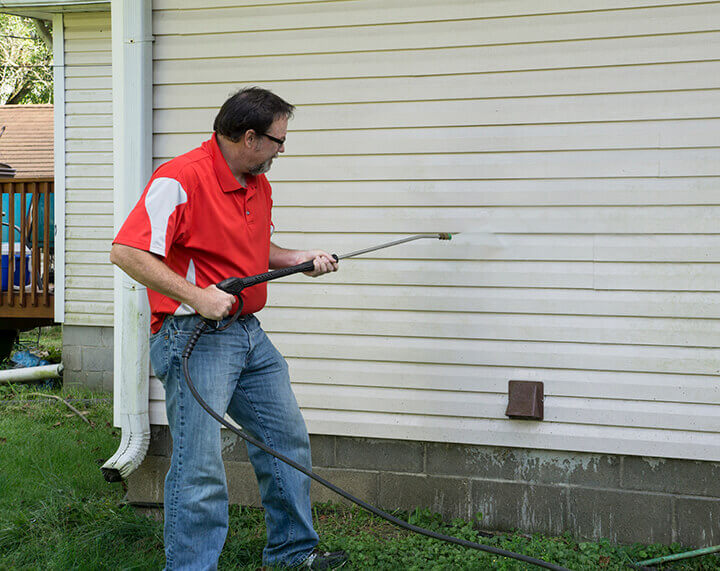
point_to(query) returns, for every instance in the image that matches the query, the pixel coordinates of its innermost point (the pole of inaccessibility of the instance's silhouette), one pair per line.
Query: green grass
(57, 512)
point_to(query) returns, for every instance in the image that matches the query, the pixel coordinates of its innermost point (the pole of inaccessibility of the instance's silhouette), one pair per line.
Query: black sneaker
(325, 560)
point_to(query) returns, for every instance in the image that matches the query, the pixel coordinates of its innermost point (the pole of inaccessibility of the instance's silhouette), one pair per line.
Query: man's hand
(324, 262)
(283, 258)
(213, 303)
(150, 270)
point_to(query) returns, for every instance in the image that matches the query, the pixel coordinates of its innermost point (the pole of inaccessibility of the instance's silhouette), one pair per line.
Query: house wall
(585, 140)
(624, 499)
(88, 157)
(87, 329)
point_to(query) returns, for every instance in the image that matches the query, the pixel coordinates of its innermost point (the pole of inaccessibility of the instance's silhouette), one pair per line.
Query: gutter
(132, 158)
(60, 5)
(48, 9)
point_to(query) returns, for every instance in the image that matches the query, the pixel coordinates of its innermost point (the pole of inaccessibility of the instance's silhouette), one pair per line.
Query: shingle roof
(26, 144)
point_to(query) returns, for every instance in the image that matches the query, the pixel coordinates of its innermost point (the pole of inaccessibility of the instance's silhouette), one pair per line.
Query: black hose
(201, 327)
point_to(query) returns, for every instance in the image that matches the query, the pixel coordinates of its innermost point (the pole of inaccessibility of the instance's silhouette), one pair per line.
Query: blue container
(41, 214)
(16, 270)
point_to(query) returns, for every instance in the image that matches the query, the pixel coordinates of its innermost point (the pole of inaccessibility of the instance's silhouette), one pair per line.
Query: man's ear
(250, 139)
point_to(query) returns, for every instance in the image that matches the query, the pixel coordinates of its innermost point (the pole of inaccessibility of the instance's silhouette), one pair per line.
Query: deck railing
(27, 248)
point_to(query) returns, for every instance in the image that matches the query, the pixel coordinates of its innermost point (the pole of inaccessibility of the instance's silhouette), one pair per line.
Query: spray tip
(444, 236)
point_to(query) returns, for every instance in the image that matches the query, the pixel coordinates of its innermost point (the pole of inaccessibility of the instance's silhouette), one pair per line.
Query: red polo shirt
(205, 225)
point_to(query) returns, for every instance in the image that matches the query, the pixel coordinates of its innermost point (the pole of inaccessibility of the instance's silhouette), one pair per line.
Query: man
(203, 217)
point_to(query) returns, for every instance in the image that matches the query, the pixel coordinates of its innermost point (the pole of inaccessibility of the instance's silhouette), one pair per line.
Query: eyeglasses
(280, 142)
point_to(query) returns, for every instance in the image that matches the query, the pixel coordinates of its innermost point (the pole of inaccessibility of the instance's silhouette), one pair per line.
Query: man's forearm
(283, 257)
(151, 271)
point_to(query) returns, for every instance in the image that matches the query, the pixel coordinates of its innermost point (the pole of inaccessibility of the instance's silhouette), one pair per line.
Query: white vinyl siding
(578, 150)
(89, 175)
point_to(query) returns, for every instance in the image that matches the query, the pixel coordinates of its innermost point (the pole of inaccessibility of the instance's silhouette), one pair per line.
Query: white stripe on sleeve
(163, 197)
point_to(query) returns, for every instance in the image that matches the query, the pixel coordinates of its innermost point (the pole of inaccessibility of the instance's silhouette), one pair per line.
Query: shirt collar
(228, 182)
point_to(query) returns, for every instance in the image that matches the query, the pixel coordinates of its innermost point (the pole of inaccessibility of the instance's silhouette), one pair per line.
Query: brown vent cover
(525, 400)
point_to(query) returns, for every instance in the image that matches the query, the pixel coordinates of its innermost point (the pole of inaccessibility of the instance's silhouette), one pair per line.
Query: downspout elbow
(132, 378)
(134, 444)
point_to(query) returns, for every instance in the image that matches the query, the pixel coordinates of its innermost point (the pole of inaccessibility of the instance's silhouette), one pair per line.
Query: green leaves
(26, 74)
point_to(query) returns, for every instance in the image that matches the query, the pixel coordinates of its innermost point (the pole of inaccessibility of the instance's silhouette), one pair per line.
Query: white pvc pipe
(29, 374)
(132, 168)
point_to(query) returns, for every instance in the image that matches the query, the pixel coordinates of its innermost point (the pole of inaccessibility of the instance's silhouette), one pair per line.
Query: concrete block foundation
(592, 496)
(88, 356)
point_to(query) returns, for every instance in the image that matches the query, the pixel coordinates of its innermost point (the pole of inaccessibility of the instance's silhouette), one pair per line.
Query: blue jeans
(240, 372)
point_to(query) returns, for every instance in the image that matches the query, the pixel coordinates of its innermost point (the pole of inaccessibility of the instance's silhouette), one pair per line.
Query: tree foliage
(26, 73)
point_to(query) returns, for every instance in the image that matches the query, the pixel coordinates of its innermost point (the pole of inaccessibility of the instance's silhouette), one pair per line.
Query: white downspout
(59, 154)
(132, 158)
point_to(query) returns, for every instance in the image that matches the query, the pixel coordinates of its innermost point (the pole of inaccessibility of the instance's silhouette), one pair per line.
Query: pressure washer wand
(440, 236)
(235, 285)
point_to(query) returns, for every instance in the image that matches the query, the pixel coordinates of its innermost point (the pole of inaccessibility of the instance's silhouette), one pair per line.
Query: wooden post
(23, 233)
(35, 251)
(46, 245)
(11, 246)
(3, 274)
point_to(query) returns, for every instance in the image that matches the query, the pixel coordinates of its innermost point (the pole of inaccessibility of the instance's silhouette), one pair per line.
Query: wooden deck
(27, 288)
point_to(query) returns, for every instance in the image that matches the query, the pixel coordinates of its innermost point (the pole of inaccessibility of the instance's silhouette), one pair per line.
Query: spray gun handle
(235, 285)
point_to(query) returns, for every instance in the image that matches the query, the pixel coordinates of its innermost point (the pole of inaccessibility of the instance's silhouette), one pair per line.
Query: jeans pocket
(160, 353)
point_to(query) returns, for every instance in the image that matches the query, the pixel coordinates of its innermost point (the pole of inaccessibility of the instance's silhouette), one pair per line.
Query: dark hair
(251, 108)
